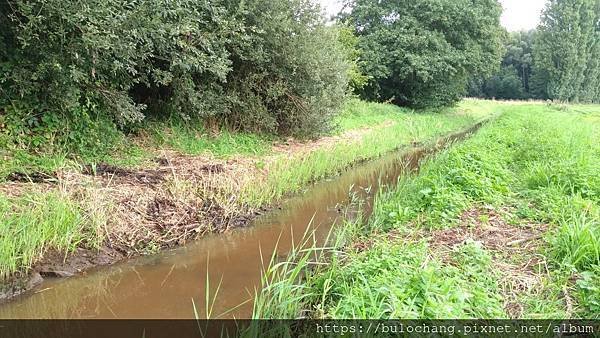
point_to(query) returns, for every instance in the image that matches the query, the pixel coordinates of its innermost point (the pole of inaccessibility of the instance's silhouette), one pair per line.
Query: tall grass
(393, 280)
(576, 243)
(291, 174)
(359, 114)
(35, 223)
(192, 138)
(388, 281)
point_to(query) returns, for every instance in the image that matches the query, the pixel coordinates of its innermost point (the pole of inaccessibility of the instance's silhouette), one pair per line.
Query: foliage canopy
(558, 61)
(567, 51)
(266, 66)
(422, 53)
(513, 80)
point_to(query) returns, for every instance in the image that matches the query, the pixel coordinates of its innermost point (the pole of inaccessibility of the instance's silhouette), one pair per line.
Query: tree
(506, 85)
(357, 80)
(422, 53)
(67, 57)
(290, 74)
(567, 50)
(259, 65)
(519, 49)
(513, 80)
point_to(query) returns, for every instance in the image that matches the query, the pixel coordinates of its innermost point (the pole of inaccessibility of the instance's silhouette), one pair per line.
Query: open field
(425, 159)
(185, 185)
(503, 225)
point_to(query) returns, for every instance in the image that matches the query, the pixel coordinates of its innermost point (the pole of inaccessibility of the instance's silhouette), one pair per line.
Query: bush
(290, 75)
(267, 66)
(63, 55)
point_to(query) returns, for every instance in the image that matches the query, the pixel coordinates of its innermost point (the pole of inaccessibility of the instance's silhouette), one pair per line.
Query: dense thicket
(567, 51)
(260, 65)
(422, 53)
(291, 74)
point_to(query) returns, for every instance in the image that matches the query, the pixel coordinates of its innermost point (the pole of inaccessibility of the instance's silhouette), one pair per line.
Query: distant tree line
(422, 53)
(558, 61)
(513, 79)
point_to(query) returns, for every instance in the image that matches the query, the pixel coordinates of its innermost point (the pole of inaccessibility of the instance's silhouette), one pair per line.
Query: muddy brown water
(163, 285)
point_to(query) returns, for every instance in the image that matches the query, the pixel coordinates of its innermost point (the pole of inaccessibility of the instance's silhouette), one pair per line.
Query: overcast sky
(518, 14)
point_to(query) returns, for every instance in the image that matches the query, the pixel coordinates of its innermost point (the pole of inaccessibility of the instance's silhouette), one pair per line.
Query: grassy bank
(31, 224)
(504, 225)
(391, 128)
(199, 184)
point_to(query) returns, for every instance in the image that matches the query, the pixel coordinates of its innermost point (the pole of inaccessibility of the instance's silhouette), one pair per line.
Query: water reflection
(163, 285)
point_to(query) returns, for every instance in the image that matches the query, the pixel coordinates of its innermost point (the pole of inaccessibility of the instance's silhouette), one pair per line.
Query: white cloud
(517, 15)
(522, 14)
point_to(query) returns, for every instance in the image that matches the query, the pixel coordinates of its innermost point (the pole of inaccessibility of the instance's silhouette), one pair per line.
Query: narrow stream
(163, 285)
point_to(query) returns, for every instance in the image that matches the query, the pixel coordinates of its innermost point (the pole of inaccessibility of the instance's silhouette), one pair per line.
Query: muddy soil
(56, 264)
(31, 177)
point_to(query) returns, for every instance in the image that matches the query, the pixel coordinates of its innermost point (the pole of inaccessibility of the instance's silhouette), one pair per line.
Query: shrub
(267, 66)
(290, 75)
(63, 55)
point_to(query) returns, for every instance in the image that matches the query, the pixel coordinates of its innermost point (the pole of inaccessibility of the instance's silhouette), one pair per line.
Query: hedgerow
(264, 66)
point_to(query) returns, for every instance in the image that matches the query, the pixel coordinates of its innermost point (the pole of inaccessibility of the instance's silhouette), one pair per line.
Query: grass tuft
(32, 224)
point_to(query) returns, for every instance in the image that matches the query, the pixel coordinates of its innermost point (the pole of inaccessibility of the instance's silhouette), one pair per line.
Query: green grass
(37, 222)
(18, 158)
(540, 162)
(288, 175)
(482, 108)
(101, 142)
(576, 242)
(130, 150)
(192, 139)
(34, 223)
(49, 144)
(588, 292)
(401, 281)
(360, 114)
(25, 162)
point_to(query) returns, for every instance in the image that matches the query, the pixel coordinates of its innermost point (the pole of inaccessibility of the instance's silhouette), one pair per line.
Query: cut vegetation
(118, 212)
